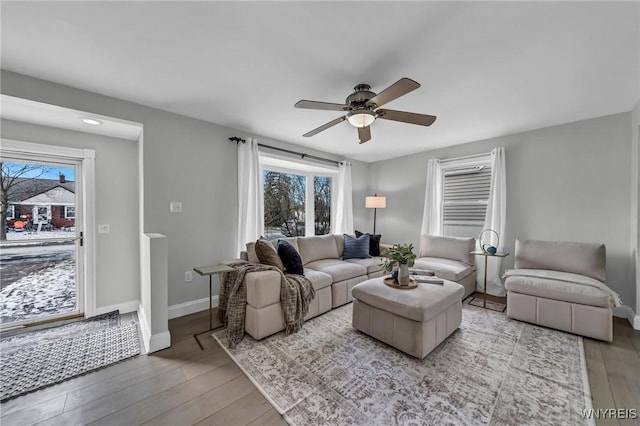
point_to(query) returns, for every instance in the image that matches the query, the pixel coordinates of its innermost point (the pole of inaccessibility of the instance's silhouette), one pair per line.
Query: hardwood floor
(184, 385)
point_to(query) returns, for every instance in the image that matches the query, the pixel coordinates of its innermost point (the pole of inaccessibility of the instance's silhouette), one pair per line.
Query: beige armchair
(561, 285)
(449, 258)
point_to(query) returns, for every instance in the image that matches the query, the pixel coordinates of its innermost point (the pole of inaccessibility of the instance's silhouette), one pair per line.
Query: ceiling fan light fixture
(361, 118)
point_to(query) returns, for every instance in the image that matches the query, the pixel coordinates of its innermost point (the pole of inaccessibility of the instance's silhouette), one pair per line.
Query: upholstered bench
(414, 321)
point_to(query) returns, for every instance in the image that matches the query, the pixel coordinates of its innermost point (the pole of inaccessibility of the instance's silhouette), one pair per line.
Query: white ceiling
(486, 68)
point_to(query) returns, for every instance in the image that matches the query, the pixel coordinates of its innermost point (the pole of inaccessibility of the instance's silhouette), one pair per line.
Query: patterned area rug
(40, 358)
(491, 371)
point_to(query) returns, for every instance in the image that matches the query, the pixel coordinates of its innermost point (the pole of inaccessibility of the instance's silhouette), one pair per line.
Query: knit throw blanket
(296, 293)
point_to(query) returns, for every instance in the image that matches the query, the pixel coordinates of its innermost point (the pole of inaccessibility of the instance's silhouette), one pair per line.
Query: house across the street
(42, 204)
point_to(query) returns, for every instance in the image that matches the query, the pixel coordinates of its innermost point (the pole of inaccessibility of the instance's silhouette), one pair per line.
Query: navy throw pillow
(356, 248)
(290, 258)
(374, 243)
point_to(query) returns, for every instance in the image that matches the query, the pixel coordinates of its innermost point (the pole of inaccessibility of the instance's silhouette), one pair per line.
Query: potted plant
(401, 255)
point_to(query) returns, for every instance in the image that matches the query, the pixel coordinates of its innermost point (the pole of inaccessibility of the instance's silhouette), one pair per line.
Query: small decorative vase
(403, 275)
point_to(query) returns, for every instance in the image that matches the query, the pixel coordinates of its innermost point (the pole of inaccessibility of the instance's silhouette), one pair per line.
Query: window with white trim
(69, 212)
(466, 186)
(298, 197)
(11, 212)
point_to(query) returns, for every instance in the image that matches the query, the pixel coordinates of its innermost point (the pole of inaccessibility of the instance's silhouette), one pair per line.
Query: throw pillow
(268, 255)
(374, 243)
(356, 248)
(290, 258)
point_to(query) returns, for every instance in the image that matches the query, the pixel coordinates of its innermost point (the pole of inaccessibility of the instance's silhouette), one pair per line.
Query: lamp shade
(375, 202)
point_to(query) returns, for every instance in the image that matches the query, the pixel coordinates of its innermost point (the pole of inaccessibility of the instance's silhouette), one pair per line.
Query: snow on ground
(47, 292)
(33, 235)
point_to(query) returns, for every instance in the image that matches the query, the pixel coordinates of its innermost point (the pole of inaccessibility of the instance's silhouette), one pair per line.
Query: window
(11, 212)
(297, 197)
(466, 186)
(69, 212)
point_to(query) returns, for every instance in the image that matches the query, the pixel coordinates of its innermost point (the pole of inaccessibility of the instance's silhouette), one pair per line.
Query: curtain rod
(302, 155)
(466, 157)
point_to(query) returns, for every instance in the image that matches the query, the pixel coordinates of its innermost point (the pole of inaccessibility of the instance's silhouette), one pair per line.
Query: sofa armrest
(384, 246)
(263, 288)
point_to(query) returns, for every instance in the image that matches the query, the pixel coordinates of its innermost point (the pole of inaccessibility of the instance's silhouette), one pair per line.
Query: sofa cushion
(268, 255)
(558, 290)
(448, 248)
(579, 258)
(290, 258)
(318, 279)
(317, 247)
(447, 269)
(373, 264)
(251, 253)
(338, 269)
(356, 248)
(374, 243)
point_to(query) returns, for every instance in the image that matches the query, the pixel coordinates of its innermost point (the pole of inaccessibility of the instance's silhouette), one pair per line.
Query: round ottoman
(414, 321)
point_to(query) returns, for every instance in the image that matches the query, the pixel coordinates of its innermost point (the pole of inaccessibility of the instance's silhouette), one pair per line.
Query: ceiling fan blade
(397, 89)
(322, 105)
(406, 117)
(364, 134)
(325, 126)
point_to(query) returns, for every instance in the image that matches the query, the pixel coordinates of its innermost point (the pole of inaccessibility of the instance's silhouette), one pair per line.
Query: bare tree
(322, 204)
(16, 179)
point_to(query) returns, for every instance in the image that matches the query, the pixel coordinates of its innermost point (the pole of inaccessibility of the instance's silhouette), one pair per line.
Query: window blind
(465, 194)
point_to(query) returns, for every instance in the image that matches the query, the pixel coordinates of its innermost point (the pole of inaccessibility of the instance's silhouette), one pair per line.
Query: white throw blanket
(566, 277)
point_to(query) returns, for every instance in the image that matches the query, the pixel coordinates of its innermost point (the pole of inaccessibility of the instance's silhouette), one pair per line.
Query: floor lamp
(375, 203)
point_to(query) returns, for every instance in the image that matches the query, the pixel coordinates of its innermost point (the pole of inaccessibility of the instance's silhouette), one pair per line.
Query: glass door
(41, 241)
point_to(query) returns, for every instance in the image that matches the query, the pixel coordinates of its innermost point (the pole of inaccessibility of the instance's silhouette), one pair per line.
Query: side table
(487, 256)
(210, 271)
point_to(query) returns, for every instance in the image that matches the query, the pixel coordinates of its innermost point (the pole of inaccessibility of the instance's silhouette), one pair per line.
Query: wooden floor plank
(241, 412)
(207, 403)
(270, 418)
(173, 397)
(114, 402)
(47, 409)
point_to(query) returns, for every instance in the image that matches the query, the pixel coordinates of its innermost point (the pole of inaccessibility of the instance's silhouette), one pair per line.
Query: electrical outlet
(188, 276)
(175, 207)
(104, 229)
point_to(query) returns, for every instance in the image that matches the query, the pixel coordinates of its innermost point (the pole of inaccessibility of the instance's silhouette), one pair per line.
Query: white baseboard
(159, 341)
(124, 308)
(182, 309)
(625, 311)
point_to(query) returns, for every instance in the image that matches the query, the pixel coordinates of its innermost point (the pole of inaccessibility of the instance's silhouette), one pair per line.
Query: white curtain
(432, 214)
(343, 217)
(495, 219)
(250, 195)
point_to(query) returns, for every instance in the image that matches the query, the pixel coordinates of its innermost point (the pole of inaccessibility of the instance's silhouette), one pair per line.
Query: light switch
(175, 207)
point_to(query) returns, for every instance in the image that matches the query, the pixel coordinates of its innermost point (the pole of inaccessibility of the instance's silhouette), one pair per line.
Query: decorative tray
(391, 283)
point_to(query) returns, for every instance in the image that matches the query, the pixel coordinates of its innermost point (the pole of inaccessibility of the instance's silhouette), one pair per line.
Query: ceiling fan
(363, 108)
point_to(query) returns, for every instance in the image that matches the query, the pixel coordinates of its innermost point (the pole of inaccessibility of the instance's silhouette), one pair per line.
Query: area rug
(492, 370)
(40, 358)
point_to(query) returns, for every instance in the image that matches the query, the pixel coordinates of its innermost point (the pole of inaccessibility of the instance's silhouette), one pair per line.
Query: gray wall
(566, 183)
(116, 174)
(185, 160)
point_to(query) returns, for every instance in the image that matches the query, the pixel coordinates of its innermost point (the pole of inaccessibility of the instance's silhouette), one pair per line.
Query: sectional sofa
(331, 277)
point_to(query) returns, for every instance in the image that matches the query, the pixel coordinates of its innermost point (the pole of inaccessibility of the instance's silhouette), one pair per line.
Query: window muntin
(69, 212)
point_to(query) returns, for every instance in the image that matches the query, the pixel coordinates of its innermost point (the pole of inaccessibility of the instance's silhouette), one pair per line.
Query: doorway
(43, 253)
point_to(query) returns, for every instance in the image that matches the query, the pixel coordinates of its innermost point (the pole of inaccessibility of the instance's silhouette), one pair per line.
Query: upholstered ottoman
(414, 321)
